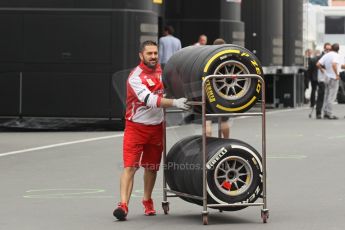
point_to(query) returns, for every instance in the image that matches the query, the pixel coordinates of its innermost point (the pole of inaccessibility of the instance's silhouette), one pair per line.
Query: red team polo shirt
(143, 142)
(144, 93)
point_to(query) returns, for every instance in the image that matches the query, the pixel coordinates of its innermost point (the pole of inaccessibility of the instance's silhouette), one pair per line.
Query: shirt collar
(149, 70)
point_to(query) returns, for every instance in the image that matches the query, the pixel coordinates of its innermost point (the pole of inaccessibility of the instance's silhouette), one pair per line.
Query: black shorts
(215, 119)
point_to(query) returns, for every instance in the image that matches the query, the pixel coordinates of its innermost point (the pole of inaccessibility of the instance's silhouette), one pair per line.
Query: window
(335, 25)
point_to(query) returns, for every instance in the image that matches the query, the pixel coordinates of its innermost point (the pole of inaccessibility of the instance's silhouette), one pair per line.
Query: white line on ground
(64, 144)
(108, 137)
(59, 144)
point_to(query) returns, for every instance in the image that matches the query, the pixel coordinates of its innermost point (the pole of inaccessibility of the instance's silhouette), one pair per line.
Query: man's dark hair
(335, 47)
(219, 41)
(169, 29)
(147, 43)
(326, 44)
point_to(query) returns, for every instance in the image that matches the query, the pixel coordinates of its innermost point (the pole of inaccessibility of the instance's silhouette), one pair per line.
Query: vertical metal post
(204, 172)
(263, 110)
(164, 156)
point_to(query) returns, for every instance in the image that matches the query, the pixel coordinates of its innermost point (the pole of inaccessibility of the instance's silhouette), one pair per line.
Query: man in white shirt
(321, 78)
(330, 65)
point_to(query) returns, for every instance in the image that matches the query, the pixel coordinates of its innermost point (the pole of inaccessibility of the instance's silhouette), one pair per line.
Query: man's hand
(181, 103)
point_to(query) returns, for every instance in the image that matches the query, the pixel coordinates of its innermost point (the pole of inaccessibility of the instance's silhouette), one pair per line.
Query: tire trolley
(167, 192)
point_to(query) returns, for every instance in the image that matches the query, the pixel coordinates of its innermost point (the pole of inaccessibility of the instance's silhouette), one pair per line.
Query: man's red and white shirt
(144, 93)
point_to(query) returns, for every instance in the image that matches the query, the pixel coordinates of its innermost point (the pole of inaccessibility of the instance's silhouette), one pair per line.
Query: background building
(70, 58)
(337, 3)
(324, 24)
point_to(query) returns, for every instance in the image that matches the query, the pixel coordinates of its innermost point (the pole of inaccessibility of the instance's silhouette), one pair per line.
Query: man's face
(203, 40)
(149, 56)
(328, 48)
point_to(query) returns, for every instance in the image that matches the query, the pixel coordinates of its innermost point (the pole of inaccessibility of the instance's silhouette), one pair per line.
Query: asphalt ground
(70, 180)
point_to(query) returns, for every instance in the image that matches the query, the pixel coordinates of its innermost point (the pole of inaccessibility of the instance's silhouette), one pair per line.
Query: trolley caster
(205, 218)
(220, 210)
(264, 215)
(165, 206)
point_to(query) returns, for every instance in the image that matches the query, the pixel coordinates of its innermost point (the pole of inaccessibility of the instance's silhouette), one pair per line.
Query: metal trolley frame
(262, 114)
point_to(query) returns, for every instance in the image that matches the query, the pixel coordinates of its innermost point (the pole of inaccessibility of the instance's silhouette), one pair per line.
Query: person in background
(224, 125)
(321, 78)
(330, 65)
(168, 45)
(219, 41)
(202, 40)
(312, 74)
(307, 56)
(143, 135)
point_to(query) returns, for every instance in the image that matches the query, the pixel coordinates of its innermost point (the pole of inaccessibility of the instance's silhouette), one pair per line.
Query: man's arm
(335, 69)
(179, 103)
(152, 100)
(320, 67)
(179, 44)
(166, 103)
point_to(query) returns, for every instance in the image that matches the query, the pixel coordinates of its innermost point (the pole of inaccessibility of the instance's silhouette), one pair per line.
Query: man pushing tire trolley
(144, 130)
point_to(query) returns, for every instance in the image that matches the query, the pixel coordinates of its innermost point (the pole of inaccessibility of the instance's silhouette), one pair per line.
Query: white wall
(314, 26)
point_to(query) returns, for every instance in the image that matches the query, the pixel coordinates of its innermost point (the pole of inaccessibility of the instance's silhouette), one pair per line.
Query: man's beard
(149, 64)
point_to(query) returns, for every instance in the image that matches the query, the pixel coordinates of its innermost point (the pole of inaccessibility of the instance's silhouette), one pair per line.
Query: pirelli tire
(176, 153)
(236, 176)
(234, 171)
(186, 69)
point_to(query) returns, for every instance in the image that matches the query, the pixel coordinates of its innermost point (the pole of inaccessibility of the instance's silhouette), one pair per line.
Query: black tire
(172, 164)
(245, 92)
(189, 180)
(175, 85)
(246, 163)
(186, 69)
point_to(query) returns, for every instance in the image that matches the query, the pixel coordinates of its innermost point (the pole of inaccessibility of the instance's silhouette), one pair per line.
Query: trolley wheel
(165, 206)
(205, 218)
(220, 210)
(264, 215)
(309, 115)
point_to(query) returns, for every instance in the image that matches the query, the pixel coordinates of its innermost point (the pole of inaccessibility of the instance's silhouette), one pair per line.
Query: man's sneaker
(318, 116)
(333, 117)
(330, 117)
(326, 116)
(121, 211)
(149, 209)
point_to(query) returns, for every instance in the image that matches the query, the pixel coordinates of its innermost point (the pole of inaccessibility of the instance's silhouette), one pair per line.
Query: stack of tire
(234, 171)
(185, 70)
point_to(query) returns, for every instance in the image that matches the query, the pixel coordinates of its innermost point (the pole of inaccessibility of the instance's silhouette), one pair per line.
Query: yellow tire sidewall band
(238, 108)
(207, 66)
(218, 55)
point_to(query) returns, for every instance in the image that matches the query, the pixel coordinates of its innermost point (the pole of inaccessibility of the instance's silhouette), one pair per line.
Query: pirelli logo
(216, 157)
(209, 92)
